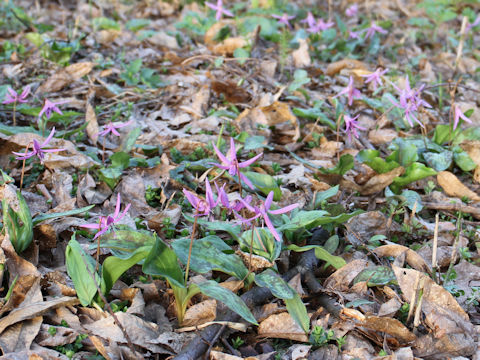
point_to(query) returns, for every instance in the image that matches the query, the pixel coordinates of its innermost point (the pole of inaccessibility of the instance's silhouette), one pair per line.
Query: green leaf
(162, 261)
(209, 254)
(325, 195)
(105, 24)
(414, 172)
(412, 197)
(233, 230)
(241, 54)
(265, 183)
(35, 38)
(336, 261)
(372, 159)
(19, 224)
(123, 243)
(376, 276)
(264, 244)
(279, 287)
(232, 301)
(443, 134)
(406, 154)
(256, 142)
(331, 245)
(77, 261)
(440, 161)
(300, 78)
(111, 176)
(306, 219)
(315, 114)
(42, 217)
(137, 24)
(345, 163)
(463, 160)
(120, 160)
(113, 267)
(130, 140)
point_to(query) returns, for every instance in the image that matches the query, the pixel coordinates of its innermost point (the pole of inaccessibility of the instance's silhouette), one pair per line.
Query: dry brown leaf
(91, 120)
(228, 46)
(381, 181)
(454, 187)
(99, 346)
(389, 308)
(336, 67)
(390, 326)
(200, 313)
(340, 280)
(412, 258)
(217, 355)
(106, 37)
(211, 34)
(61, 336)
(301, 57)
(232, 92)
(258, 263)
(282, 326)
(66, 76)
(382, 136)
(362, 227)
(473, 150)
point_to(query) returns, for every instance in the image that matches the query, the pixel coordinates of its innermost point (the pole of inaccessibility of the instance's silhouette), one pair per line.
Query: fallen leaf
(454, 187)
(66, 76)
(412, 258)
(282, 326)
(379, 182)
(336, 67)
(301, 57)
(200, 313)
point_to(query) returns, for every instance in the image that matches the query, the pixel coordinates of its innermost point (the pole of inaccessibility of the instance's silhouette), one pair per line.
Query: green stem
(194, 230)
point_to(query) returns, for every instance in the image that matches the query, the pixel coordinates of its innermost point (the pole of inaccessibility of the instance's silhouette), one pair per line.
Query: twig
(213, 341)
(460, 44)
(413, 298)
(434, 249)
(454, 250)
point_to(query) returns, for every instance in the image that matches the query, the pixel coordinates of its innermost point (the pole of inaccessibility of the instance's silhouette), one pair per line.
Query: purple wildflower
(219, 9)
(38, 149)
(264, 209)
(375, 78)
(49, 107)
(353, 35)
(374, 28)
(203, 207)
(410, 102)
(231, 206)
(13, 97)
(351, 126)
(458, 114)
(284, 19)
(320, 26)
(112, 128)
(107, 222)
(352, 10)
(231, 163)
(351, 92)
(309, 20)
(472, 25)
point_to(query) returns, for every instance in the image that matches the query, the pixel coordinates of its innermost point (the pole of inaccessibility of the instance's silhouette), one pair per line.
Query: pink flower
(472, 25)
(374, 28)
(375, 78)
(284, 19)
(107, 222)
(351, 92)
(459, 115)
(320, 26)
(309, 20)
(231, 163)
(352, 10)
(38, 149)
(264, 209)
(49, 107)
(234, 206)
(219, 8)
(112, 128)
(351, 126)
(205, 206)
(13, 97)
(353, 35)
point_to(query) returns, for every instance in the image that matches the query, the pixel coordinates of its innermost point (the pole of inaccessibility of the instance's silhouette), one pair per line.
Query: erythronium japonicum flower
(231, 206)
(13, 97)
(284, 19)
(458, 114)
(375, 78)
(320, 26)
(374, 28)
(309, 20)
(105, 223)
(472, 25)
(353, 34)
(203, 207)
(231, 163)
(410, 101)
(38, 149)
(264, 209)
(219, 9)
(352, 10)
(111, 128)
(351, 126)
(350, 91)
(49, 107)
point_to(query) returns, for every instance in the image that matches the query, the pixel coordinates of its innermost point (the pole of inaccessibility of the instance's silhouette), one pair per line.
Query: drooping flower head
(351, 126)
(352, 10)
(264, 209)
(284, 19)
(231, 163)
(219, 9)
(202, 206)
(49, 107)
(232, 206)
(350, 91)
(320, 25)
(112, 128)
(476, 22)
(38, 149)
(373, 29)
(13, 97)
(309, 20)
(375, 78)
(458, 114)
(105, 223)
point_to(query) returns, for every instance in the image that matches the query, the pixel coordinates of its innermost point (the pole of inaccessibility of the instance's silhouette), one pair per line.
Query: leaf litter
(330, 154)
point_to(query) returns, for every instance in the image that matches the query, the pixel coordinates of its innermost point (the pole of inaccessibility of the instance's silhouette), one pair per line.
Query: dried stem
(194, 230)
(23, 167)
(14, 113)
(434, 249)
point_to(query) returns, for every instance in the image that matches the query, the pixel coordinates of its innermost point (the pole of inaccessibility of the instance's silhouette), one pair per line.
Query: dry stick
(14, 111)
(109, 309)
(460, 44)
(454, 250)
(413, 298)
(418, 310)
(103, 150)
(434, 249)
(187, 269)
(258, 295)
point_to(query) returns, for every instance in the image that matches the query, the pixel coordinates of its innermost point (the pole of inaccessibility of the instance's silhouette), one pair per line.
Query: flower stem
(103, 151)
(23, 167)
(194, 230)
(14, 111)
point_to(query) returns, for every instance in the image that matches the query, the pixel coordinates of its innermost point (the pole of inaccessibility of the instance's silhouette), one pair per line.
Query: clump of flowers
(284, 19)
(39, 150)
(219, 9)
(351, 126)
(315, 26)
(352, 10)
(375, 78)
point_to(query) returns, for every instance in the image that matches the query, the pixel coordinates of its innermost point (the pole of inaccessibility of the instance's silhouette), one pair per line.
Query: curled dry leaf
(228, 46)
(412, 258)
(282, 326)
(258, 263)
(389, 326)
(59, 336)
(200, 313)
(382, 136)
(336, 67)
(301, 57)
(454, 187)
(381, 181)
(473, 150)
(341, 279)
(66, 76)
